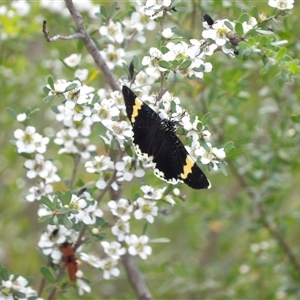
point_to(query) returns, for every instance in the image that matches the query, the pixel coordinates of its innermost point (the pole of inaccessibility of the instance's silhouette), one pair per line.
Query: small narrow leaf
(4, 274)
(206, 118)
(48, 274)
(46, 201)
(160, 240)
(11, 112)
(48, 99)
(185, 64)
(71, 87)
(281, 53)
(228, 24)
(68, 197)
(67, 223)
(228, 147)
(50, 82)
(239, 29)
(255, 13)
(295, 118)
(164, 64)
(244, 18)
(45, 218)
(46, 90)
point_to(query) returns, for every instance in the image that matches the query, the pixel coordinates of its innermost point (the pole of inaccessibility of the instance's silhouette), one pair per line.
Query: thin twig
(135, 277)
(59, 37)
(91, 47)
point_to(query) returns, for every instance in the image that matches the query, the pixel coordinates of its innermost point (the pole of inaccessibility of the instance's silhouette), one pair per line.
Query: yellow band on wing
(137, 106)
(187, 169)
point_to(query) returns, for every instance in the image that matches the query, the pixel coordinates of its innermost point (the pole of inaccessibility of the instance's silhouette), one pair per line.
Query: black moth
(155, 140)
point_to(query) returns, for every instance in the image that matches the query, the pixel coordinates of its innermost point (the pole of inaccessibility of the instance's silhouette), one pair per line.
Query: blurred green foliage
(229, 242)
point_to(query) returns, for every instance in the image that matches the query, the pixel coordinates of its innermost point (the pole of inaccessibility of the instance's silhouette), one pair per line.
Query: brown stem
(270, 227)
(135, 277)
(91, 47)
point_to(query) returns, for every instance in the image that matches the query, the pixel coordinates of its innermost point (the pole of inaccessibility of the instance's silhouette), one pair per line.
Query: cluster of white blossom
(17, 287)
(31, 143)
(82, 107)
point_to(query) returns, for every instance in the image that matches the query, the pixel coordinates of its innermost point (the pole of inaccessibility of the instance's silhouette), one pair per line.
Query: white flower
(217, 32)
(146, 209)
(112, 56)
(151, 193)
(21, 117)
(138, 245)
(213, 155)
(167, 33)
(120, 229)
(22, 7)
(81, 74)
(281, 4)
(39, 190)
(91, 259)
(51, 240)
(119, 129)
(108, 265)
(128, 168)
(73, 60)
(39, 167)
(99, 164)
(121, 208)
(82, 285)
(114, 249)
(112, 31)
(153, 8)
(104, 110)
(28, 141)
(14, 285)
(59, 86)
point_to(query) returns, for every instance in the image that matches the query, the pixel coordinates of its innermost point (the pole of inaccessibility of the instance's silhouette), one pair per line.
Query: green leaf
(46, 201)
(160, 240)
(173, 107)
(179, 76)
(228, 24)
(223, 169)
(71, 87)
(281, 53)
(19, 295)
(64, 210)
(103, 12)
(255, 12)
(171, 77)
(4, 273)
(67, 223)
(46, 90)
(11, 112)
(251, 41)
(295, 118)
(164, 64)
(262, 40)
(112, 9)
(45, 218)
(265, 32)
(31, 112)
(50, 82)
(228, 147)
(68, 197)
(244, 18)
(48, 274)
(164, 49)
(206, 118)
(239, 29)
(48, 99)
(95, 98)
(185, 64)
